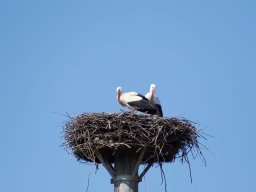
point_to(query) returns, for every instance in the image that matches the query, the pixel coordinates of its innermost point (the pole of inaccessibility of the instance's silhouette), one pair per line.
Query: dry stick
(88, 180)
(190, 173)
(163, 177)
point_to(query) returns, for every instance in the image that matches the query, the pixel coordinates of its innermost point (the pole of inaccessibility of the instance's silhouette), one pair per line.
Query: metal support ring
(125, 178)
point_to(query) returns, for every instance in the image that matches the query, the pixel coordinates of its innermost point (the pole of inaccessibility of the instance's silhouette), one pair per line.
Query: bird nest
(164, 139)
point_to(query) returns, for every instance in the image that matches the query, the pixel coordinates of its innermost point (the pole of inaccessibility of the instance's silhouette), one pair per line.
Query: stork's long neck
(152, 95)
(118, 97)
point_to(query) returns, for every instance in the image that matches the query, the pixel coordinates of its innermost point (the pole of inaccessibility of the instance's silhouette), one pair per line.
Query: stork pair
(148, 104)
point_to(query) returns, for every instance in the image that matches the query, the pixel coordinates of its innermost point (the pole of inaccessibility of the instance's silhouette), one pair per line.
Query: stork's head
(119, 92)
(152, 88)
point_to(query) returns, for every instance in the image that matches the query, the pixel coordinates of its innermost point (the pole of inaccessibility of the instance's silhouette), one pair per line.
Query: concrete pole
(126, 171)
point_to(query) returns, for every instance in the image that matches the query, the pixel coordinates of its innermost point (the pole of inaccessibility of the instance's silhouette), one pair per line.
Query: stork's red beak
(153, 92)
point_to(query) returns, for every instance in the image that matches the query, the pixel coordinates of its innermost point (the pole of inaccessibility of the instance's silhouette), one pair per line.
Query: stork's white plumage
(135, 101)
(151, 96)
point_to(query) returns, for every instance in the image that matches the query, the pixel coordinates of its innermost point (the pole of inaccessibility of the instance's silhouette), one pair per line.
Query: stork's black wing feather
(143, 97)
(144, 105)
(159, 107)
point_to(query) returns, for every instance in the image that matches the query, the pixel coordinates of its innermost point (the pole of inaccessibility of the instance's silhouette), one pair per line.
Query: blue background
(59, 57)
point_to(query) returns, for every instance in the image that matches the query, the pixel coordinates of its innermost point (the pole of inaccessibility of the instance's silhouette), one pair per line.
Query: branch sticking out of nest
(165, 139)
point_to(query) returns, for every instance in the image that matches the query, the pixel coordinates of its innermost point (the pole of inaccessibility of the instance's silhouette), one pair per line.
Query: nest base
(163, 139)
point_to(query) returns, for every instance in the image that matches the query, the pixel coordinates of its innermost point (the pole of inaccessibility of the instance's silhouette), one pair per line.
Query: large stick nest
(165, 139)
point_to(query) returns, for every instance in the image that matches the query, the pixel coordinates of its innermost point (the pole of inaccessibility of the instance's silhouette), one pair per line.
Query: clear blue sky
(69, 57)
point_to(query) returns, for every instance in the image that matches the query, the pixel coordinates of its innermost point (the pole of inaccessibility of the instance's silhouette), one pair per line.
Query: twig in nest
(163, 177)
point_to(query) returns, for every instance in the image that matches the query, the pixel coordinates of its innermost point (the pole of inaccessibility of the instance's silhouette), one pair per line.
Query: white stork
(135, 101)
(151, 96)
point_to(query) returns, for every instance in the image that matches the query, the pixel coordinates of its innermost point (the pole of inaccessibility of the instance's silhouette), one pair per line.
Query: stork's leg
(133, 111)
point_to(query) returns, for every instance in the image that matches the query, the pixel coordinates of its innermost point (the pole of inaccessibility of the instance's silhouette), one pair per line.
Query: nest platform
(107, 134)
